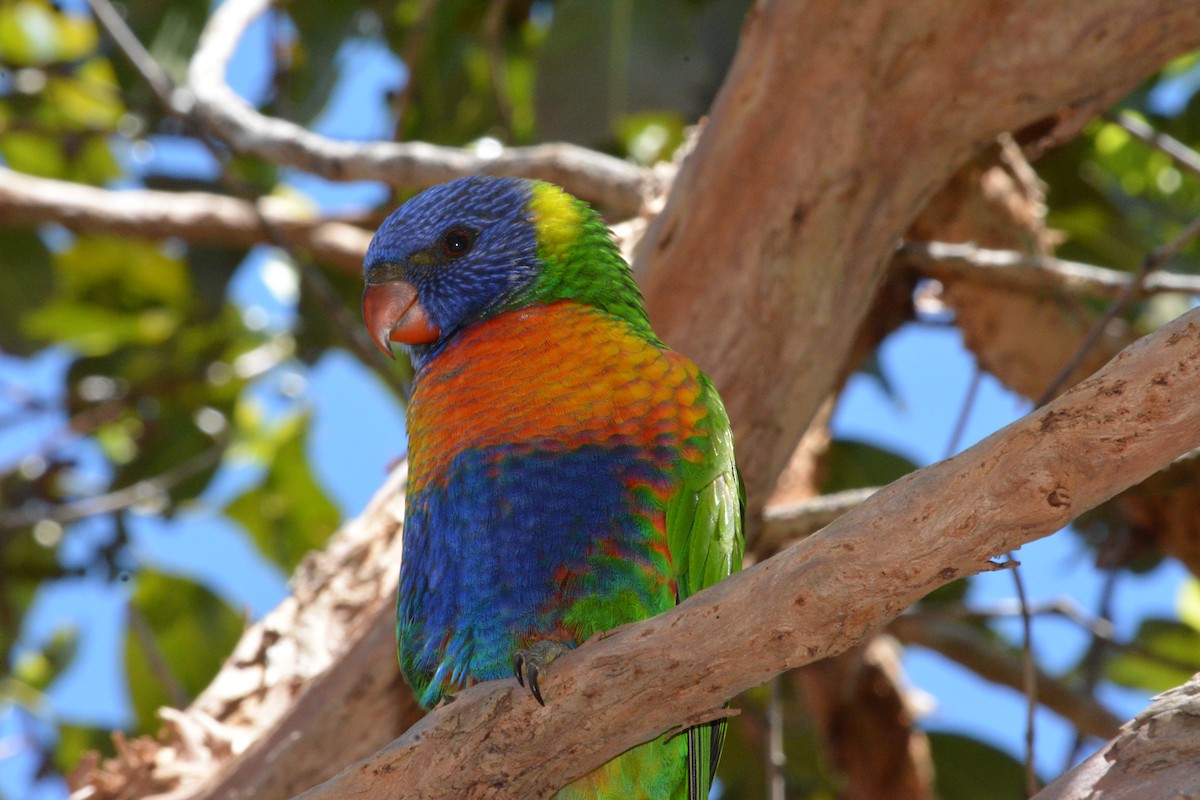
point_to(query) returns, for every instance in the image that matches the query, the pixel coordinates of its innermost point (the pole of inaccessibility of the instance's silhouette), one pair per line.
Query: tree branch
(815, 599)
(814, 192)
(1160, 748)
(1008, 269)
(615, 185)
(195, 217)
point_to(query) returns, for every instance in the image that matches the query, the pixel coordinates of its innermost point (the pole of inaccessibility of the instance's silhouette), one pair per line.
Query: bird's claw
(528, 664)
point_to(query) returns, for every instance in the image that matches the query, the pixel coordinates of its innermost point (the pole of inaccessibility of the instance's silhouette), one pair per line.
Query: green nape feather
(582, 262)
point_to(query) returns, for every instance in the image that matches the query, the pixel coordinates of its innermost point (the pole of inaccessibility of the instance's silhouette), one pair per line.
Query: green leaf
(1165, 654)
(651, 136)
(451, 96)
(88, 99)
(968, 769)
(38, 668)
(872, 368)
(169, 31)
(288, 513)
(33, 153)
(76, 740)
(321, 29)
(34, 33)
(25, 284)
(1189, 603)
(111, 293)
(854, 465)
(178, 635)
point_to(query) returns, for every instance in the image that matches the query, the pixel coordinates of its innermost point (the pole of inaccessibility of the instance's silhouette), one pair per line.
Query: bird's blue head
(477, 247)
(454, 254)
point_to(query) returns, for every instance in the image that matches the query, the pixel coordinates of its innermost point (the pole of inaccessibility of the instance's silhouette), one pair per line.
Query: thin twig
(159, 668)
(1028, 682)
(139, 57)
(1152, 261)
(776, 759)
(964, 413)
(414, 45)
(1093, 659)
(1184, 157)
(1064, 607)
(972, 647)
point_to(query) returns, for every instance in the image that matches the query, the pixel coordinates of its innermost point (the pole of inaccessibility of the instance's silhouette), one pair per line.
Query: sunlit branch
(617, 186)
(195, 217)
(1009, 269)
(1153, 260)
(1184, 157)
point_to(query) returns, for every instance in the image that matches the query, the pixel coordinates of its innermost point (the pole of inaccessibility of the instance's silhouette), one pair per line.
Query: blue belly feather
(485, 550)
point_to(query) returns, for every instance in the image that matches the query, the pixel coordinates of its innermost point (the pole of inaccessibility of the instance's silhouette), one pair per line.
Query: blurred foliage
(179, 633)
(968, 769)
(857, 465)
(164, 387)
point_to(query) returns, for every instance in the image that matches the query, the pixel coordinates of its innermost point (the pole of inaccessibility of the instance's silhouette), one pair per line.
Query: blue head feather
(456, 291)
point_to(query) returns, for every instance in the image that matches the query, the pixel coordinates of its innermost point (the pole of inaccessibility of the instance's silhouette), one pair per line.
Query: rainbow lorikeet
(567, 473)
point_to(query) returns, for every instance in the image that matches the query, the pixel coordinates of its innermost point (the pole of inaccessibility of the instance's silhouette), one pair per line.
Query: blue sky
(927, 365)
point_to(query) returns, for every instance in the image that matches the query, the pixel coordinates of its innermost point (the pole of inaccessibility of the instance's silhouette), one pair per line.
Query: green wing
(706, 539)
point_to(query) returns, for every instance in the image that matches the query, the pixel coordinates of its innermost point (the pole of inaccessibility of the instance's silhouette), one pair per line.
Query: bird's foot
(530, 663)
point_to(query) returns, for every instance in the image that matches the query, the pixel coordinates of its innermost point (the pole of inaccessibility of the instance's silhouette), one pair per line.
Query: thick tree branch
(1157, 754)
(617, 186)
(815, 599)
(814, 192)
(195, 217)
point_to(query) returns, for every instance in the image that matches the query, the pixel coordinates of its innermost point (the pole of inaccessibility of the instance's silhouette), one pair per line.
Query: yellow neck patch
(556, 218)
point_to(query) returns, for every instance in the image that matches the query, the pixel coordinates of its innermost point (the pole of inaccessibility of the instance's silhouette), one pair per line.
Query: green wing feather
(706, 539)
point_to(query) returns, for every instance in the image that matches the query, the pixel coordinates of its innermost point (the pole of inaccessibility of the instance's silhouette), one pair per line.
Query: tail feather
(704, 751)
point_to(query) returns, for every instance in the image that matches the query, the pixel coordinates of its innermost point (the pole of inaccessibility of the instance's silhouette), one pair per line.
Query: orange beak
(393, 313)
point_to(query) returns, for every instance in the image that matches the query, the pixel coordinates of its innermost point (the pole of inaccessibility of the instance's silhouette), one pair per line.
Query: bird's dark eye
(457, 242)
